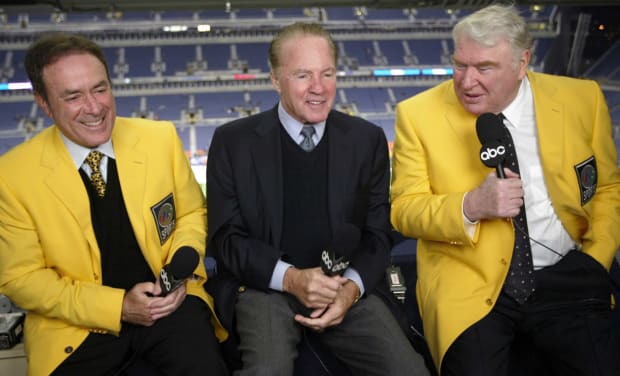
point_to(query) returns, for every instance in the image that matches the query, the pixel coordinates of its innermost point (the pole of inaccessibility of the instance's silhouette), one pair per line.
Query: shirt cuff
(277, 278)
(354, 276)
(470, 227)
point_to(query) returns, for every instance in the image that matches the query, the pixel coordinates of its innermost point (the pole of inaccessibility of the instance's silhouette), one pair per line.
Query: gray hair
(490, 25)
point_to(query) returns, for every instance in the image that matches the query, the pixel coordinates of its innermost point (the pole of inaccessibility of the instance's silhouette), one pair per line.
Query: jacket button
(503, 262)
(68, 349)
(489, 302)
(241, 289)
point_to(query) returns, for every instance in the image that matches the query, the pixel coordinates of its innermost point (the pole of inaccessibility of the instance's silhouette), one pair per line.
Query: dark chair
(614, 274)
(404, 256)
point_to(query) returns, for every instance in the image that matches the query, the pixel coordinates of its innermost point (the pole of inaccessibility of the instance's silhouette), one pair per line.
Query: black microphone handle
(168, 282)
(499, 171)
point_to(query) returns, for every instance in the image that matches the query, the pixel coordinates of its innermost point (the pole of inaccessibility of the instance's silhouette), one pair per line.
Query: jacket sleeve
(191, 226)
(602, 238)
(426, 192)
(28, 281)
(373, 256)
(247, 258)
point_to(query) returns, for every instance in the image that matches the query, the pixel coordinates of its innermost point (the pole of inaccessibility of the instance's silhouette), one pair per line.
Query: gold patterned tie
(93, 159)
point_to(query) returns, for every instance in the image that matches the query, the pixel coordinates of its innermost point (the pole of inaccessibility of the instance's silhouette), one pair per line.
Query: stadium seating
(154, 58)
(202, 107)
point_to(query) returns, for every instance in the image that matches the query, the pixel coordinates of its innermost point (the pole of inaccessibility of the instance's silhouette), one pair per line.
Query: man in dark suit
(277, 198)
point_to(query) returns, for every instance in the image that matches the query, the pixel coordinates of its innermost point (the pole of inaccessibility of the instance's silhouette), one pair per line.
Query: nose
(317, 85)
(91, 104)
(470, 78)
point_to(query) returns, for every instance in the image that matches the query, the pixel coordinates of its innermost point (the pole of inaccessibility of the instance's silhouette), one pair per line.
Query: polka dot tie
(93, 159)
(307, 144)
(519, 283)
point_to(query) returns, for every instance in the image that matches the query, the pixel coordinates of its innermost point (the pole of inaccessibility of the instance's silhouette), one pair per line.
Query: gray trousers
(369, 340)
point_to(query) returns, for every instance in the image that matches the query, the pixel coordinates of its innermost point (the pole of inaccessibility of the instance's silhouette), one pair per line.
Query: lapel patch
(165, 217)
(587, 178)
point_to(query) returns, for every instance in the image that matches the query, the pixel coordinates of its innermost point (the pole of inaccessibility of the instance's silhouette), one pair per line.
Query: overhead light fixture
(175, 28)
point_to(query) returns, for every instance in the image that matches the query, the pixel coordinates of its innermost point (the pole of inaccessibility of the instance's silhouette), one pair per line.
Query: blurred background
(201, 63)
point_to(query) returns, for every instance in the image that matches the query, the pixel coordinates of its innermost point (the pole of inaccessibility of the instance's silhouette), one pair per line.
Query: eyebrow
(101, 83)
(478, 64)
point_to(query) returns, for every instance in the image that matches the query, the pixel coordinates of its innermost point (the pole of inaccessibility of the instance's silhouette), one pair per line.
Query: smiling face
(306, 78)
(79, 98)
(487, 79)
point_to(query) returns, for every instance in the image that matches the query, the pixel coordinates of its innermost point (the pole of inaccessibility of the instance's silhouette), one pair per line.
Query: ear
(43, 104)
(524, 62)
(274, 80)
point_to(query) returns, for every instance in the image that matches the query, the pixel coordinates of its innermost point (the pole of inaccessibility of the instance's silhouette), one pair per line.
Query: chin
(317, 118)
(475, 108)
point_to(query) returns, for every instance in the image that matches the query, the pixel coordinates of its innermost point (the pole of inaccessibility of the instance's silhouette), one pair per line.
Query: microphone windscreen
(183, 262)
(489, 128)
(346, 238)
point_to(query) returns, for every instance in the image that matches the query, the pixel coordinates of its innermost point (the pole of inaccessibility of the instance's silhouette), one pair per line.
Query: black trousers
(564, 329)
(183, 343)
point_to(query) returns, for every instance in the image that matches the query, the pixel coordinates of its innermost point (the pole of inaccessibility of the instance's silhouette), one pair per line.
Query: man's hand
(335, 312)
(312, 287)
(495, 197)
(142, 306)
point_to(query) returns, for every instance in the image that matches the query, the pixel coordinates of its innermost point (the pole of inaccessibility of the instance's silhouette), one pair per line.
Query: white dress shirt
(545, 228)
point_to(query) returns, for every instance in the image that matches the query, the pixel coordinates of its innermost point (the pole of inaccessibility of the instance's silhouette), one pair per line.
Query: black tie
(520, 280)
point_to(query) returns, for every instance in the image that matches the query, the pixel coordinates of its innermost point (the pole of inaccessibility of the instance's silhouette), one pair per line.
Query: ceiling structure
(160, 5)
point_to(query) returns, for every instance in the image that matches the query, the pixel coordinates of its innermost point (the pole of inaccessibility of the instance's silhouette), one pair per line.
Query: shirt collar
(515, 109)
(293, 127)
(78, 153)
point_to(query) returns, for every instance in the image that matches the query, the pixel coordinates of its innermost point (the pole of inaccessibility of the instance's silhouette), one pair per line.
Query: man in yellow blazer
(85, 263)
(462, 213)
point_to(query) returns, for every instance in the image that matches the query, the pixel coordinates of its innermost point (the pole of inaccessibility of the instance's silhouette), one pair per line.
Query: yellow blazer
(49, 258)
(436, 162)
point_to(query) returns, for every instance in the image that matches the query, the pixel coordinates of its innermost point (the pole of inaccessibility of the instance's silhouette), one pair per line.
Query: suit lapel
(460, 122)
(267, 157)
(340, 161)
(67, 185)
(549, 125)
(131, 166)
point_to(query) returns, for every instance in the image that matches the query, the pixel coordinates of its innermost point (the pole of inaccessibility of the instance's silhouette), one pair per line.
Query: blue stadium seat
(255, 54)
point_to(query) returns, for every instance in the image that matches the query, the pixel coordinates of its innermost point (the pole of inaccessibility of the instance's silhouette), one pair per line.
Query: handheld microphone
(335, 258)
(180, 268)
(490, 132)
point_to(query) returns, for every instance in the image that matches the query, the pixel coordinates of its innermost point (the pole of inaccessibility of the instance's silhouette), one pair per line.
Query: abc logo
(164, 279)
(327, 261)
(491, 153)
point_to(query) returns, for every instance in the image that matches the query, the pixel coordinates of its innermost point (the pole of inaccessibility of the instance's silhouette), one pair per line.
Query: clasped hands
(142, 305)
(329, 297)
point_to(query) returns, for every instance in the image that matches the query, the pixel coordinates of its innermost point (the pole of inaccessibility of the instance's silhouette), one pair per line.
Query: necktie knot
(93, 160)
(307, 143)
